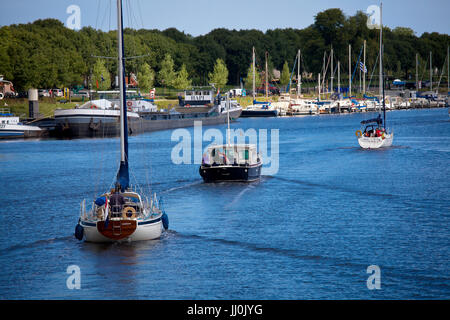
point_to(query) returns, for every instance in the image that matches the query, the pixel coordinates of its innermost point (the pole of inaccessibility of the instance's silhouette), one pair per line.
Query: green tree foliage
(285, 75)
(146, 77)
(101, 79)
(248, 81)
(167, 74)
(219, 76)
(181, 80)
(45, 54)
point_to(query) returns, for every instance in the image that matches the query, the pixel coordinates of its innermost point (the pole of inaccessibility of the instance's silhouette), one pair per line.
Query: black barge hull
(109, 126)
(230, 173)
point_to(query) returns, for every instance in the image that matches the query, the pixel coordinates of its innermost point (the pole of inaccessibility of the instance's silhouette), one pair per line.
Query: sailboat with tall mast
(121, 214)
(259, 108)
(375, 134)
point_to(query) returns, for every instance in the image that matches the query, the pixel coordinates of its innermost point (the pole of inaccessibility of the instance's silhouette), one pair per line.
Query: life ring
(129, 103)
(358, 133)
(127, 210)
(1, 95)
(187, 106)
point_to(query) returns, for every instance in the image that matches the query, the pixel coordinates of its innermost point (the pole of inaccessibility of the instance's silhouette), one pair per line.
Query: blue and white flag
(362, 67)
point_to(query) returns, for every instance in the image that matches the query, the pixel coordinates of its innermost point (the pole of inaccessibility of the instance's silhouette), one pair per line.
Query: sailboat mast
(254, 75)
(381, 54)
(228, 120)
(267, 79)
(332, 71)
(381, 64)
(349, 70)
(364, 74)
(123, 124)
(123, 174)
(298, 75)
(339, 79)
(431, 72)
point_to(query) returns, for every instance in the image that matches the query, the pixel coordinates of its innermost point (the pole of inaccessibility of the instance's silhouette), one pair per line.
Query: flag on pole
(362, 67)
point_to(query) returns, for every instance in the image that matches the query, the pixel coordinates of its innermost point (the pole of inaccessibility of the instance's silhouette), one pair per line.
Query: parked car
(43, 93)
(57, 93)
(81, 93)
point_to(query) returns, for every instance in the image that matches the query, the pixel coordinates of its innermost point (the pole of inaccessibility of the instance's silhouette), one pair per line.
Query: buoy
(358, 133)
(79, 231)
(165, 221)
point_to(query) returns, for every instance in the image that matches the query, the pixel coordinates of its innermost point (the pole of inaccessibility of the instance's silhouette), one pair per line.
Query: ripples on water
(308, 232)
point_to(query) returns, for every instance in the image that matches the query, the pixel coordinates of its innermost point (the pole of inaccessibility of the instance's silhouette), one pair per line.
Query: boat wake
(34, 244)
(181, 187)
(401, 273)
(239, 196)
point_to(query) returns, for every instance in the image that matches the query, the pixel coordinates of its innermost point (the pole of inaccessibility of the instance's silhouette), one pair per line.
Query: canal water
(310, 230)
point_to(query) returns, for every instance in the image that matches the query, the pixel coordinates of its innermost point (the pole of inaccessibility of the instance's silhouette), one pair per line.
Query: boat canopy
(98, 104)
(260, 102)
(231, 154)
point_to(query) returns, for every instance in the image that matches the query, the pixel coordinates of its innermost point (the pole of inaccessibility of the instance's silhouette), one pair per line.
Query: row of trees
(45, 54)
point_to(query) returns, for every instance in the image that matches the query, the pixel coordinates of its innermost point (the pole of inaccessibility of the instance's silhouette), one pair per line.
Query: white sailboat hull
(376, 142)
(149, 231)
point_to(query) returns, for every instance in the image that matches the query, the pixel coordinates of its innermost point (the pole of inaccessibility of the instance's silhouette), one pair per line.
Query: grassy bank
(47, 106)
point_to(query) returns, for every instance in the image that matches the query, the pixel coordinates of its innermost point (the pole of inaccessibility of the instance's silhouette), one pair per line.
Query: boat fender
(79, 231)
(165, 221)
(358, 133)
(128, 210)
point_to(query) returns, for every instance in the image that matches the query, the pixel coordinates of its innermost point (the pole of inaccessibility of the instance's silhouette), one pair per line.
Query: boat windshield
(231, 155)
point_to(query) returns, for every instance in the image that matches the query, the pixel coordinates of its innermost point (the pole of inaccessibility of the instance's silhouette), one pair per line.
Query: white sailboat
(258, 108)
(375, 135)
(121, 214)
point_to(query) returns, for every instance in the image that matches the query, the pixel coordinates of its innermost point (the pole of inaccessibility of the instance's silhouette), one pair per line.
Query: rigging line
(424, 68)
(140, 13)
(132, 35)
(326, 70)
(442, 72)
(357, 63)
(373, 71)
(98, 11)
(103, 19)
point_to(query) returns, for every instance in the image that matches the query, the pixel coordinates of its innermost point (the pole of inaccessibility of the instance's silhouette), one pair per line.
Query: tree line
(46, 54)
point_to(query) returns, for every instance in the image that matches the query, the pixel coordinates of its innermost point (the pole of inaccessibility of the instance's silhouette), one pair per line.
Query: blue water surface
(308, 231)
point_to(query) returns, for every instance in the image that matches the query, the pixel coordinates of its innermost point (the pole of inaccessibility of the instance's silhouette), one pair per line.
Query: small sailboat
(375, 135)
(231, 162)
(121, 214)
(260, 108)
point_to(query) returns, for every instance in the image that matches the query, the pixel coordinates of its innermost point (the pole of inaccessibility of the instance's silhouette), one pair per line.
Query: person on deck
(116, 200)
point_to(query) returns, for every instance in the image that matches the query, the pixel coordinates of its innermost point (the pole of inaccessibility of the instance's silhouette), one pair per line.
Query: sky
(197, 17)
